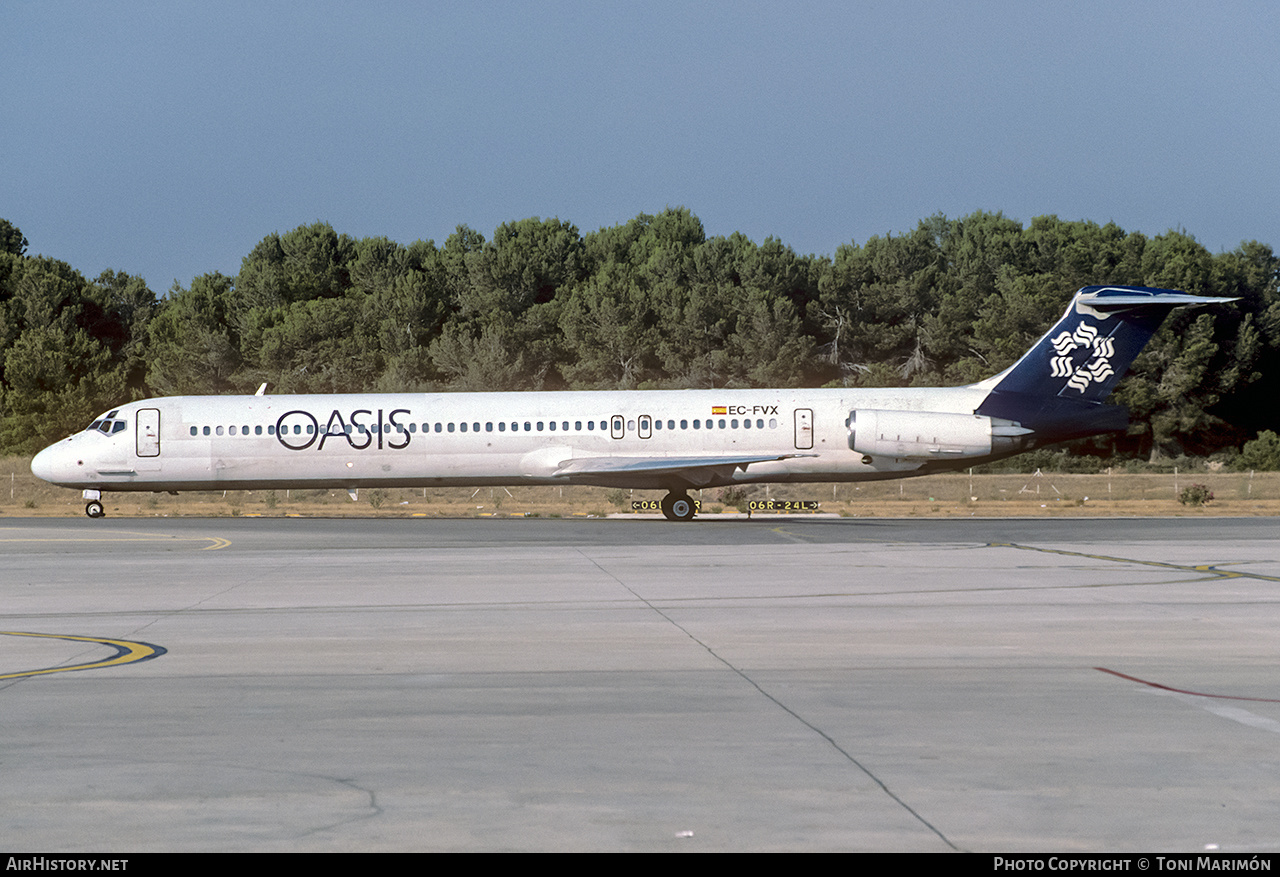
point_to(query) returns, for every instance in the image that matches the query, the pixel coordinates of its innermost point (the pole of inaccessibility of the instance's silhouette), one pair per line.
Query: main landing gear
(678, 507)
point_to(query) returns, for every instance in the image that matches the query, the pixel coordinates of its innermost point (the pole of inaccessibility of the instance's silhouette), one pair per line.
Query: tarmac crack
(1206, 568)
(375, 809)
(844, 753)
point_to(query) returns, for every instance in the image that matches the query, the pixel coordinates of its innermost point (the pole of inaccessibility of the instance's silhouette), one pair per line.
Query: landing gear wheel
(678, 507)
(94, 509)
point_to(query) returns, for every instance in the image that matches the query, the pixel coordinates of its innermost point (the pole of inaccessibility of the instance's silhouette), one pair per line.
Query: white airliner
(674, 440)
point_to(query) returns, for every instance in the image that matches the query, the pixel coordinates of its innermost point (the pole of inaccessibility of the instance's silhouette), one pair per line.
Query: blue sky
(166, 139)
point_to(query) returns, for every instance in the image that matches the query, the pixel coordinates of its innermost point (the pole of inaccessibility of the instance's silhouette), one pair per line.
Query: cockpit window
(107, 425)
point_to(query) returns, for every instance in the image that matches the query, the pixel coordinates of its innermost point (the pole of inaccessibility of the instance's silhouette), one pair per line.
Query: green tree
(526, 263)
(491, 360)
(11, 239)
(63, 357)
(127, 305)
(610, 331)
(191, 346)
(1261, 453)
(312, 261)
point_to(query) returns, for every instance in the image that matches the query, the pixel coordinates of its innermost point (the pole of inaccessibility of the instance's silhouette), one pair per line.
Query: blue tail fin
(1057, 388)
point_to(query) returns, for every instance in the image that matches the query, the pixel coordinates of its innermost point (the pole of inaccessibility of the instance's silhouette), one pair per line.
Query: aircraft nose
(42, 464)
(51, 464)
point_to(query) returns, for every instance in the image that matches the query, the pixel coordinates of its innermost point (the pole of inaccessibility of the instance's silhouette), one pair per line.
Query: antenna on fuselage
(262, 389)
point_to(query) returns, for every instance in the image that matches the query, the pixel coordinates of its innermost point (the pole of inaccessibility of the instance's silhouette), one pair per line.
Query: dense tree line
(653, 303)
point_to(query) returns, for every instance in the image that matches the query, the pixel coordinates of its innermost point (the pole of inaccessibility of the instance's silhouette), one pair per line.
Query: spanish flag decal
(719, 409)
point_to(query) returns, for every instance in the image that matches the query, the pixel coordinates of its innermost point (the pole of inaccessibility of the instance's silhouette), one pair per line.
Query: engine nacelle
(932, 435)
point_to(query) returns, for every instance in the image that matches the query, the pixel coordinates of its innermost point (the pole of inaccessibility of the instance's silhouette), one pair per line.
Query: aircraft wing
(693, 468)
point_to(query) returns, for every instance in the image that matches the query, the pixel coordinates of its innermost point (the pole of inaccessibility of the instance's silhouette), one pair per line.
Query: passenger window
(440, 427)
(577, 426)
(502, 426)
(488, 427)
(232, 430)
(450, 427)
(194, 431)
(591, 425)
(734, 423)
(475, 427)
(760, 423)
(528, 427)
(257, 430)
(773, 423)
(218, 430)
(697, 424)
(462, 425)
(207, 430)
(553, 426)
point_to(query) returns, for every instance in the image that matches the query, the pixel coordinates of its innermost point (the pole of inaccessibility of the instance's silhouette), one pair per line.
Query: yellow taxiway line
(127, 652)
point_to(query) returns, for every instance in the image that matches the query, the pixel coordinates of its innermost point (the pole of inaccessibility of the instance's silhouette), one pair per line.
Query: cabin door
(148, 438)
(804, 429)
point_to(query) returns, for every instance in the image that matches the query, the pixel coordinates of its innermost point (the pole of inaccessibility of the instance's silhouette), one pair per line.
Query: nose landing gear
(678, 507)
(93, 508)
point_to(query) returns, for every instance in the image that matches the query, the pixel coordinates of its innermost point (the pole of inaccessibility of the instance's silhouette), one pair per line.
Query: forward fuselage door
(804, 429)
(617, 426)
(644, 426)
(148, 437)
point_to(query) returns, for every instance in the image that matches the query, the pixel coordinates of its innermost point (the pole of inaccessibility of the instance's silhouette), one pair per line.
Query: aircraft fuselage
(417, 440)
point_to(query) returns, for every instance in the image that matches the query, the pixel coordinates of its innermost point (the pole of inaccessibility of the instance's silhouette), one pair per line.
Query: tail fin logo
(1094, 366)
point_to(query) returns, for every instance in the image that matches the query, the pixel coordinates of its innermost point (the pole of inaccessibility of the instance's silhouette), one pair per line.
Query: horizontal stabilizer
(1110, 299)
